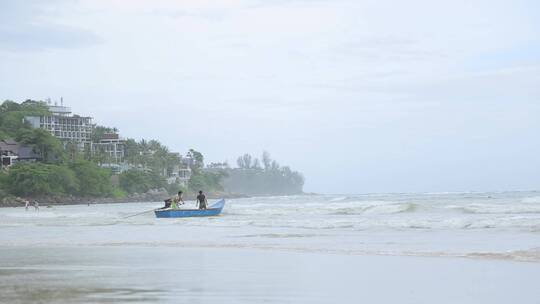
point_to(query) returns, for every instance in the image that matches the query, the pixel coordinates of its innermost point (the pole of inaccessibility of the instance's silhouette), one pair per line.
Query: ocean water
(493, 225)
(63, 251)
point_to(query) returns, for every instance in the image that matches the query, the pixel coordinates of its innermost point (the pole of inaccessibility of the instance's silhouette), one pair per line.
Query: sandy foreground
(89, 274)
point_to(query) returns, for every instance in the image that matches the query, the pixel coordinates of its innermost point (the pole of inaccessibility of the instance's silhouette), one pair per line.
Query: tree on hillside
(41, 179)
(35, 107)
(256, 164)
(172, 160)
(100, 156)
(198, 158)
(244, 161)
(203, 179)
(151, 155)
(99, 131)
(274, 166)
(12, 115)
(94, 180)
(48, 147)
(137, 181)
(3, 180)
(207, 181)
(3, 135)
(266, 160)
(9, 106)
(158, 157)
(72, 151)
(132, 151)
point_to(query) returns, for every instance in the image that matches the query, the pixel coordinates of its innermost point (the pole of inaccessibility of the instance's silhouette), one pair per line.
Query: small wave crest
(377, 209)
(339, 199)
(392, 208)
(531, 200)
(500, 209)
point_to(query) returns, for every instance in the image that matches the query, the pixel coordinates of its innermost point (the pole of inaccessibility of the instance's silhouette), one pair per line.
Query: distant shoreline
(137, 198)
(44, 201)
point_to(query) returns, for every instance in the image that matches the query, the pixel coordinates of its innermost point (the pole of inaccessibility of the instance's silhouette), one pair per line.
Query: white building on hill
(112, 146)
(64, 125)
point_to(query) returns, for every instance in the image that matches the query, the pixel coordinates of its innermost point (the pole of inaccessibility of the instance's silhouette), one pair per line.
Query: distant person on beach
(26, 204)
(36, 205)
(201, 199)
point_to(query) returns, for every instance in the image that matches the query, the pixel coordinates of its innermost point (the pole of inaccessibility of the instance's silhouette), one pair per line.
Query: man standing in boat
(201, 199)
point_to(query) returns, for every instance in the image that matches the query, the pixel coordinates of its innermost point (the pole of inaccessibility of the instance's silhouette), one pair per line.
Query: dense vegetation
(93, 181)
(12, 114)
(137, 181)
(41, 179)
(151, 155)
(3, 181)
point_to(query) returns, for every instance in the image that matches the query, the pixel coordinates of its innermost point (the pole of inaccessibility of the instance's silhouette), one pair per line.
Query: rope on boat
(138, 213)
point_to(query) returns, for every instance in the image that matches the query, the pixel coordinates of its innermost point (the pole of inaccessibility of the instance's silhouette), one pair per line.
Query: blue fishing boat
(212, 210)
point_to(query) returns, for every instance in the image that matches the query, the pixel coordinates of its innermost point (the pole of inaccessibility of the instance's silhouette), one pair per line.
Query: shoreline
(14, 202)
(151, 196)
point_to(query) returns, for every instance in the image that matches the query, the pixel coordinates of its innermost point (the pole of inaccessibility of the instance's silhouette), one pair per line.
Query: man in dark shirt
(201, 199)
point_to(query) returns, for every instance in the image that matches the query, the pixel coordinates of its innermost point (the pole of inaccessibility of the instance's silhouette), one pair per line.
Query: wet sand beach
(216, 275)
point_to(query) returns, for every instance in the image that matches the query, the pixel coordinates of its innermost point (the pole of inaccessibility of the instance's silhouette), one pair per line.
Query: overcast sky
(360, 96)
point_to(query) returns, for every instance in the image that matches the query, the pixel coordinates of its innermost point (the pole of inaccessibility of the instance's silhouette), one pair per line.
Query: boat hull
(213, 210)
